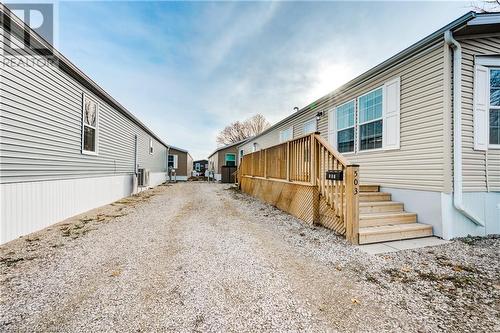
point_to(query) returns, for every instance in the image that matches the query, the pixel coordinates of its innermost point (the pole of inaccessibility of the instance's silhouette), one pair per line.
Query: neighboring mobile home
(66, 145)
(424, 125)
(225, 156)
(181, 161)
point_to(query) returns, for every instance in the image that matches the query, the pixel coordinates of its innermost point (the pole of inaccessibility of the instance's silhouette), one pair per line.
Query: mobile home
(225, 156)
(66, 145)
(181, 162)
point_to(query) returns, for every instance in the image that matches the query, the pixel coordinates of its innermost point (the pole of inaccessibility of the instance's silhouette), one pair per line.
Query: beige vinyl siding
(182, 162)
(419, 163)
(474, 162)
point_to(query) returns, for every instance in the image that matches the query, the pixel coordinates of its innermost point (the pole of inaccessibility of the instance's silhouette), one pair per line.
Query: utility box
(335, 175)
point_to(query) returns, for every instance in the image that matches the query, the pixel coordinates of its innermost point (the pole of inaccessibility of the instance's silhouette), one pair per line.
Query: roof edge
(69, 68)
(230, 145)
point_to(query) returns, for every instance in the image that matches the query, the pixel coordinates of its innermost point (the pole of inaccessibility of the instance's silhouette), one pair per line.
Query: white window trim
(357, 146)
(491, 145)
(96, 127)
(151, 149)
(310, 121)
(176, 159)
(285, 130)
(336, 131)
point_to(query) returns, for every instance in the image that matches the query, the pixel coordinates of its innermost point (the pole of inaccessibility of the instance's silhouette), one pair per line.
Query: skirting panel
(298, 200)
(31, 206)
(157, 178)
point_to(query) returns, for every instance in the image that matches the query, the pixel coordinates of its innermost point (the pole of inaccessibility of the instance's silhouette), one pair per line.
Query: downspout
(457, 128)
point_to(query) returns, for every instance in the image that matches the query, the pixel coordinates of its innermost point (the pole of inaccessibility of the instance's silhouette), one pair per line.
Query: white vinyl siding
(309, 126)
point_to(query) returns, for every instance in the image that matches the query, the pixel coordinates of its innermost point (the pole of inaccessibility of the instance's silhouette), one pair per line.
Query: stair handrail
(342, 196)
(332, 151)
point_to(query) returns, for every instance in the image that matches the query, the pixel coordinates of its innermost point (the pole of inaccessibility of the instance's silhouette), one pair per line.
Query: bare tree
(486, 6)
(238, 130)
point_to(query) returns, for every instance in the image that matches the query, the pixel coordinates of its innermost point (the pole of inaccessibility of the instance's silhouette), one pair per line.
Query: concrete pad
(406, 244)
(376, 248)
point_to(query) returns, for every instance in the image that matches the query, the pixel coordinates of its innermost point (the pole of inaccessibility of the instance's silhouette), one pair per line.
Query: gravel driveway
(202, 257)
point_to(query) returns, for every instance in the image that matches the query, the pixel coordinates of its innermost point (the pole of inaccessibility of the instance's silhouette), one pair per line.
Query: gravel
(203, 257)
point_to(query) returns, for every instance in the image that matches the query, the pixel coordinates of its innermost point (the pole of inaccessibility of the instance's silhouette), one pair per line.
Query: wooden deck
(296, 176)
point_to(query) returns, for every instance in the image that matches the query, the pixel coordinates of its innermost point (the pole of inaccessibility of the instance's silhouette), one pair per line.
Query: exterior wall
(182, 162)
(218, 159)
(30, 206)
(44, 177)
(41, 131)
(474, 162)
(419, 163)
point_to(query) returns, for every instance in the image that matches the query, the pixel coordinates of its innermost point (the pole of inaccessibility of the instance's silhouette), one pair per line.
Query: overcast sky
(188, 69)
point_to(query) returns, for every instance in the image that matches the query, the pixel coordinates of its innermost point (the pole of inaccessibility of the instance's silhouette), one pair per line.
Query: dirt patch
(203, 257)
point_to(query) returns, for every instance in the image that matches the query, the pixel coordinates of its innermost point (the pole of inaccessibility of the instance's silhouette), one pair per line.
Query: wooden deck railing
(307, 160)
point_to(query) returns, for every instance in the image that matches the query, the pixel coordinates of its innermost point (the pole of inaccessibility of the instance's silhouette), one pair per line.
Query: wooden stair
(382, 220)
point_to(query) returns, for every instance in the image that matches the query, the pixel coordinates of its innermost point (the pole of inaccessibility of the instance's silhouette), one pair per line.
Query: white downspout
(457, 128)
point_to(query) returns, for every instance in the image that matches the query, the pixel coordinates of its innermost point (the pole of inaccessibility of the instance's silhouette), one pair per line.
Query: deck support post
(288, 161)
(313, 161)
(265, 163)
(352, 203)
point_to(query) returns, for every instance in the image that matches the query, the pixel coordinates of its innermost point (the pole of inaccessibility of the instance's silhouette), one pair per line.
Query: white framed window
(151, 148)
(90, 125)
(370, 120)
(286, 134)
(197, 166)
(494, 109)
(172, 161)
(345, 125)
(310, 126)
(230, 159)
